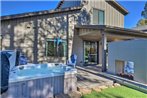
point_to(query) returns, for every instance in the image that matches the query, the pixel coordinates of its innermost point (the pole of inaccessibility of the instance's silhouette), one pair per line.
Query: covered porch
(101, 35)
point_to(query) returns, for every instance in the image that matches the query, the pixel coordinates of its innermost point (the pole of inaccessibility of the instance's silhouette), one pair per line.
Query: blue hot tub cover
(5, 67)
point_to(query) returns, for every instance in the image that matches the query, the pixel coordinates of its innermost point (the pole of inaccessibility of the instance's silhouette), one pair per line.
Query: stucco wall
(146, 63)
(78, 49)
(133, 50)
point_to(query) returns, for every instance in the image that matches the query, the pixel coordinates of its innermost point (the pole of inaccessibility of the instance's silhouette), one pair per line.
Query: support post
(104, 51)
(67, 38)
(35, 48)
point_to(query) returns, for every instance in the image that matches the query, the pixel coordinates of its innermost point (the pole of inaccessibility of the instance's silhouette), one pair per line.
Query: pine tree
(144, 15)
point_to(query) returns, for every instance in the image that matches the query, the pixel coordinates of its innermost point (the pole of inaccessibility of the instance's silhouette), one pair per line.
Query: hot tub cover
(5, 67)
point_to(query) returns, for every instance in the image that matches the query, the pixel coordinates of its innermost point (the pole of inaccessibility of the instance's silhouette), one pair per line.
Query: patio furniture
(72, 61)
(23, 60)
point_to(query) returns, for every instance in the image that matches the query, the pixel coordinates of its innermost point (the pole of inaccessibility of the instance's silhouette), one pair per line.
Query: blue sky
(15, 7)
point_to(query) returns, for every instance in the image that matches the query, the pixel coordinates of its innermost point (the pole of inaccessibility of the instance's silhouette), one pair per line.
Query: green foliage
(51, 49)
(143, 21)
(117, 92)
(144, 13)
(55, 50)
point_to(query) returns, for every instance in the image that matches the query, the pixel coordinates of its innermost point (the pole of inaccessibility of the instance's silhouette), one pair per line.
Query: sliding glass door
(90, 52)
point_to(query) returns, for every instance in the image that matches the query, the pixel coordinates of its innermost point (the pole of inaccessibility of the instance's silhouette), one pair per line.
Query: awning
(106, 34)
(93, 32)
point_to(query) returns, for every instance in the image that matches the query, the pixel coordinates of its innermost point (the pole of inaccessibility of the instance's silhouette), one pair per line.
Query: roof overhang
(111, 2)
(118, 6)
(59, 4)
(38, 13)
(94, 32)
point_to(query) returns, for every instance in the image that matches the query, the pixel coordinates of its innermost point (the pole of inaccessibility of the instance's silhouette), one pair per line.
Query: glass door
(90, 52)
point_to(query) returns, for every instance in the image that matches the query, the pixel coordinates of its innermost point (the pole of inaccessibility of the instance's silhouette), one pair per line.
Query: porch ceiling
(94, 33)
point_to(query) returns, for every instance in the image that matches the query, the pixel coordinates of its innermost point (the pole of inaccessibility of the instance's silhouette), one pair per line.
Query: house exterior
(77, 27)
(129, 58)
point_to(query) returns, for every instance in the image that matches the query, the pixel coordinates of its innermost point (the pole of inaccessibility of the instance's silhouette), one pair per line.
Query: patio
(86, 83)
(95, 70)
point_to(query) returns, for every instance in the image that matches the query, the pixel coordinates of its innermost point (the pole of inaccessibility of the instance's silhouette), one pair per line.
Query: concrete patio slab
(87, 82)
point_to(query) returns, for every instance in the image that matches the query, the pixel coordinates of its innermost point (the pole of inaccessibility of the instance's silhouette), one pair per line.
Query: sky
(15, 7)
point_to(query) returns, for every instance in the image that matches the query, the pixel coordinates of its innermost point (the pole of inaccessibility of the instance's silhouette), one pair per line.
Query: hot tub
(41, 81)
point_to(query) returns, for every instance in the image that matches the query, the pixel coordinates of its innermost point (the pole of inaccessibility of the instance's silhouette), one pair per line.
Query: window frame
(98, 16)
(103, 17)
(52, 39)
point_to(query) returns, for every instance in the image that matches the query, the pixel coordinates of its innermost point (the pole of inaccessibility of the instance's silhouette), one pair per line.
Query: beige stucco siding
(112, 16)
(78, 49)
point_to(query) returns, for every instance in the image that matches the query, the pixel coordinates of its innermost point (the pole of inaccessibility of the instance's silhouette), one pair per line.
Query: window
(56, 48)
(98, 17)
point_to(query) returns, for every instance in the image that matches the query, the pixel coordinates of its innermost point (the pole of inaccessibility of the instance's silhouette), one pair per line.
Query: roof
(111, 2)
(45, 12)
(38, 13)
(113, 29)
(59, 4)
(118, 6)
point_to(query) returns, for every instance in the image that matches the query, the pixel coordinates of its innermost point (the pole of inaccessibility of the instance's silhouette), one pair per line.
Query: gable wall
(112, 16)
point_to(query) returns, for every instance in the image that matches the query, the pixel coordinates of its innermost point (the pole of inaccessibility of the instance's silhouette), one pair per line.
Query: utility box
(128, 59)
